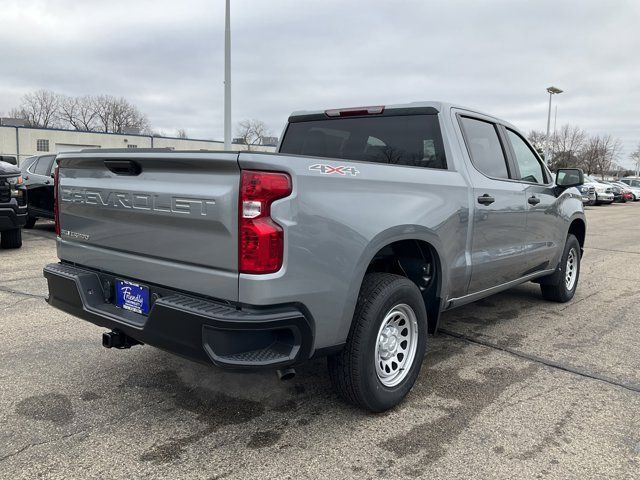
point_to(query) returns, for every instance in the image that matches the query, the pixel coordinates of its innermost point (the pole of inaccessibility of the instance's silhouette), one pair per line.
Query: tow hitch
(117, 339)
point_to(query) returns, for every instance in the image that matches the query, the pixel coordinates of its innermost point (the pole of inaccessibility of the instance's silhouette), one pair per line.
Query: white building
(23, 142)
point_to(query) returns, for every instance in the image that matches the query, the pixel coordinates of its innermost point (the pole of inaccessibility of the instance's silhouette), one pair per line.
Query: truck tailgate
(167, 218)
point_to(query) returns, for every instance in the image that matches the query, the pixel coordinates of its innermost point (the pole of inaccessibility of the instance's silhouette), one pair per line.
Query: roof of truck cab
(424, 106)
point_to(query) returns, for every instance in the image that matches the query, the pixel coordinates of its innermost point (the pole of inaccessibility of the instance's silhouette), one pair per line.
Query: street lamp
(552, 91)
(227, 77)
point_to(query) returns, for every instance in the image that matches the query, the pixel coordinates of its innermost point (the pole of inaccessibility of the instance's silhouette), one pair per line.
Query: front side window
(485, 147)
(412, 140)
(530, 168)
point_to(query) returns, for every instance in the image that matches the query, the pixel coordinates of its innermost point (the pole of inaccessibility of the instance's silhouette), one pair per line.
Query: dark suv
(13, 206)
(37, 172)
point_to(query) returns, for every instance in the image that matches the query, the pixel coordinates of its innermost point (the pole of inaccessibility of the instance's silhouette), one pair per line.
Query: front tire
(561, 286)
(31, 222)
(385, 347)
(11, 238)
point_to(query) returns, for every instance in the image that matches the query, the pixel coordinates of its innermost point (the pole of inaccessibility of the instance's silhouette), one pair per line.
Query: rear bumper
(200, 329)
(11, 218)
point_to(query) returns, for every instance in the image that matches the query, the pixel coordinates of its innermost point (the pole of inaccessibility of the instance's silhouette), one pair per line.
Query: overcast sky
(167, 57)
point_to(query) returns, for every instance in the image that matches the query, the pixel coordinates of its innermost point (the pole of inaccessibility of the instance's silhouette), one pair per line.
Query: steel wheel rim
(571, 270)
(396, 345)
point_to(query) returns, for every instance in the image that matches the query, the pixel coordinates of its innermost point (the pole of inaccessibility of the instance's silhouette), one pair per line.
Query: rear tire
(31, 221)
(561, 286)
(11, 238)
(385, 347)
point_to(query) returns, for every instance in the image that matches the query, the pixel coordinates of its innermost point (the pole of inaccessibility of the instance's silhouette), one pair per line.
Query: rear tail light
(56, 201)
(261, 242)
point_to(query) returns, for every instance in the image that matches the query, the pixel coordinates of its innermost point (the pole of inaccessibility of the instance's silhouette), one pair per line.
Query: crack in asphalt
(18, 279)
(37, 444)
(611, 250)
(632, 387)
(19, 292)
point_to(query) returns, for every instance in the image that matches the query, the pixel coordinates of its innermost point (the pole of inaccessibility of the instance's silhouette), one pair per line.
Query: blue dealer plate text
(132, 296)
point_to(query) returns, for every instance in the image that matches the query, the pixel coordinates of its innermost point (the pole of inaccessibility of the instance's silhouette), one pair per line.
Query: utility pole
(227, 78)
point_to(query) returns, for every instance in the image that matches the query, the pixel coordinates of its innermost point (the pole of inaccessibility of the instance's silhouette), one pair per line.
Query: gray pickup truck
(347, 243)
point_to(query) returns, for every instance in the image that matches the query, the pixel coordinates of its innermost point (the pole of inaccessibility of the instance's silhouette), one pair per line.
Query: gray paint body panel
(334, 225)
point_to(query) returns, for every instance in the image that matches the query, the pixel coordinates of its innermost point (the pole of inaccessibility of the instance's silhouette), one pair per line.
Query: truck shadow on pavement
(274, 414)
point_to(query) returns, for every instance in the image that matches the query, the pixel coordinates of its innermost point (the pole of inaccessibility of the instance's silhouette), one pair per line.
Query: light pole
(552, 91)
(227, 78)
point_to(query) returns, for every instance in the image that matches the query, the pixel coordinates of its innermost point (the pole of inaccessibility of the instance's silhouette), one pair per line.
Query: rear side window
(44, 166)
(530, 168)
(485, 147)
(412, 140)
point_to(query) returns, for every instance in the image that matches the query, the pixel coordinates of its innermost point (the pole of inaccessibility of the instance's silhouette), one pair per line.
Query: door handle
(533, 200)
(486, 199)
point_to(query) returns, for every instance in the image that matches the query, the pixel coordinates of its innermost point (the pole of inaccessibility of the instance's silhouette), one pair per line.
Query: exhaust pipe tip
(285, 374)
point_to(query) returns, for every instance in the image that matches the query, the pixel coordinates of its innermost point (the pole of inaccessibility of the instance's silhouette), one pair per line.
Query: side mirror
(569, 177)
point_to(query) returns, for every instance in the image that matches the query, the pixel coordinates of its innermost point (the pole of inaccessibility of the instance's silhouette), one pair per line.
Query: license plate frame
(132, 296)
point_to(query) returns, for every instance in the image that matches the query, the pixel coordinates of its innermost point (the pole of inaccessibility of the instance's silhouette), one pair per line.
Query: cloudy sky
(167, 57)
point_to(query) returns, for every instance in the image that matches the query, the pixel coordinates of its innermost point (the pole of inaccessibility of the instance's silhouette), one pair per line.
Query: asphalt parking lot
(514, 387)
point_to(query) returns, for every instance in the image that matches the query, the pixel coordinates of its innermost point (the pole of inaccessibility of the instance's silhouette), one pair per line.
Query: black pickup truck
(13, 206)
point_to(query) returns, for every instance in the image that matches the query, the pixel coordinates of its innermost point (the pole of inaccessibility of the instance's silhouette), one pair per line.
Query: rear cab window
(485, 148)
(43, 166)
(410, 140)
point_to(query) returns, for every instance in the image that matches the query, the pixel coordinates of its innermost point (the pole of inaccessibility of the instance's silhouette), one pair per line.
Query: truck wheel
(566, 278)
(385, 347)
(11, 238)
(31, 221)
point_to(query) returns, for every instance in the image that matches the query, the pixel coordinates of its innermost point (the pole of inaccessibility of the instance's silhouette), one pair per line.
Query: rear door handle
(486, 199)
(533, 200)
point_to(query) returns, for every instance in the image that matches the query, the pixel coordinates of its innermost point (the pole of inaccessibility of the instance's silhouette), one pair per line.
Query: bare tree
(635, 156)
(566, 143)
(610, 149)
(537, 139)
(599, 154)
(181, 133)
(38, 109)
(252, 132)
(589, 155)
(102, 113)
(115, 115)
(78, 112)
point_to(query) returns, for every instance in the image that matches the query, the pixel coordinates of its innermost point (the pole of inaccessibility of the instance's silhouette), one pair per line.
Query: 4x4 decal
(326, 169)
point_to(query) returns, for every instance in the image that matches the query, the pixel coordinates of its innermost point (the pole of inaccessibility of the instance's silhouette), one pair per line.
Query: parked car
(347, 243)
(618, 193)
(604, 192)
(634, 191)
(13, 206)
(9, 159)
(588, 193)
(37, 172)
(631, 181)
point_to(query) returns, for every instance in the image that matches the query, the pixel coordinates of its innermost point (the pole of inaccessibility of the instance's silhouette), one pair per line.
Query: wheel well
(418, 261)
(579, 230)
